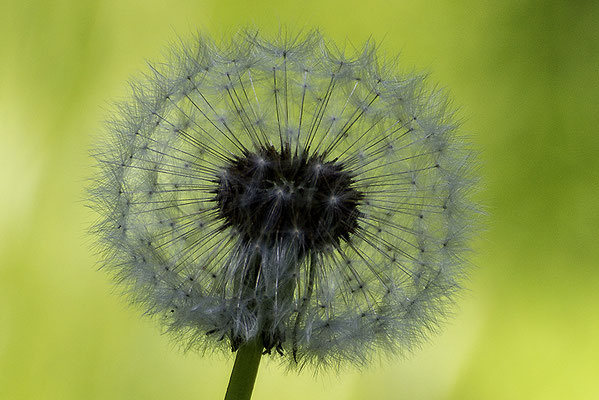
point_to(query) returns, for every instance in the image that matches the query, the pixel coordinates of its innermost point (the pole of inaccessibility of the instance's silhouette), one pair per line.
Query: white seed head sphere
(284, 190)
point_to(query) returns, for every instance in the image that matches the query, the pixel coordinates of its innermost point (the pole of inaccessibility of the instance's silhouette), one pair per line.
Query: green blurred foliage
(525, 73)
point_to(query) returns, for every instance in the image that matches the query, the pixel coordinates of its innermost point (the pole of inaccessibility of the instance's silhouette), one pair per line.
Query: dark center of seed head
(270, 196)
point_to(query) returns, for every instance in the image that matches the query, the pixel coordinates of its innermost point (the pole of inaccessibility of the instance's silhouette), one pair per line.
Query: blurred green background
(526, 74)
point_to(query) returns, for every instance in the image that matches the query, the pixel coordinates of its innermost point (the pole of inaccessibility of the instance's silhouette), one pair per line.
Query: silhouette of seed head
(271, 195)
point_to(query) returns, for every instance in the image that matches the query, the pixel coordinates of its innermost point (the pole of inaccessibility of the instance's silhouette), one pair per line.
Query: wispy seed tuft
(284, 189)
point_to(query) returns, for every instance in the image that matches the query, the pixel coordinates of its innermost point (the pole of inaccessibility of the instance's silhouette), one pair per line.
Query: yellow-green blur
(525, 74)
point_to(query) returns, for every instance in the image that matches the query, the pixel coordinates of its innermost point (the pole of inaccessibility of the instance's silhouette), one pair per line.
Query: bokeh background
(526, 74)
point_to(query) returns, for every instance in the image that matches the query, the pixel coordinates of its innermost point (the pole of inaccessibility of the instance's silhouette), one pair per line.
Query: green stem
(244, 371)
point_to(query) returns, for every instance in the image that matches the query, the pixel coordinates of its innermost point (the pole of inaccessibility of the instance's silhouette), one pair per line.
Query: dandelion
(284, 197)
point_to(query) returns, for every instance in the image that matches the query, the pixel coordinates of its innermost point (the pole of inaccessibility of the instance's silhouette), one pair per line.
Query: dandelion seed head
(286, 189)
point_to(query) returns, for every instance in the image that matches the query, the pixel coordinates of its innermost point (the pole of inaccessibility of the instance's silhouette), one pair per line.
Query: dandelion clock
(284, 198)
